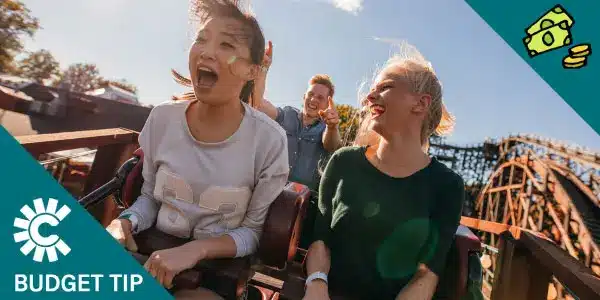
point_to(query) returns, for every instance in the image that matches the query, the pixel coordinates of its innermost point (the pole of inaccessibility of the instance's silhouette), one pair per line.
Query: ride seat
(227, 277)
(462, 265)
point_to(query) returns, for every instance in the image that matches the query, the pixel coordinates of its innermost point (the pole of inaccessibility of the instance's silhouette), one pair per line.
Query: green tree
(349, 119)
(38, 66)
(81, 77)
(15, 22)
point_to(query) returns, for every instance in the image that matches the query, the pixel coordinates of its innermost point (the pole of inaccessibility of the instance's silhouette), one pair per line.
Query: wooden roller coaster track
(540, 185)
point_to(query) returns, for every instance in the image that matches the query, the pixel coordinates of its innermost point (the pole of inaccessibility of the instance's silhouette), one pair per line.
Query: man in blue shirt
(312, 133)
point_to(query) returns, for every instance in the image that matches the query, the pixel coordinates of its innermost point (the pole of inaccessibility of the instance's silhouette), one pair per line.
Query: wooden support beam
(497, 228)
(563, 233)
(509, 199)
(504, 188)
(568, 270)
(496, 206)
(46, 143)
(517, 276)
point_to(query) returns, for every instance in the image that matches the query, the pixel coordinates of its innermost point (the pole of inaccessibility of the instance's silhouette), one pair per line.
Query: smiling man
(312, 132)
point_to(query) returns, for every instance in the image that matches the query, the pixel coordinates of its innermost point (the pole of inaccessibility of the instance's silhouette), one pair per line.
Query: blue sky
(489, 88)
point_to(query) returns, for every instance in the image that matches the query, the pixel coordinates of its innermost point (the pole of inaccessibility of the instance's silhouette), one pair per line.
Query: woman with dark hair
(212, 164)
(387, 211)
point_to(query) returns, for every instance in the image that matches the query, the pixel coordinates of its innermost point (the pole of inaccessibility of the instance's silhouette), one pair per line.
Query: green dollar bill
(552, 17)
(548, 39)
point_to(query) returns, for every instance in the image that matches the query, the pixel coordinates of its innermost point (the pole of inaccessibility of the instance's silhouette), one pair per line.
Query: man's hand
(166, 264)
(120, 229)
(330, 115)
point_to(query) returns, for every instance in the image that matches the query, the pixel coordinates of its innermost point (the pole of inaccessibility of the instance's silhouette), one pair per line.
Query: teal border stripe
(579, 88)
(93, 250)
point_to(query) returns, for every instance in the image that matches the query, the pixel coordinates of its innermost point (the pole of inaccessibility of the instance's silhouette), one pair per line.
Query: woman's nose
(372, 96)
(207, 52)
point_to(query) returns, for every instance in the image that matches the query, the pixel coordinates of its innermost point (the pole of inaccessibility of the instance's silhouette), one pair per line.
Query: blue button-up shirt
(305, 146)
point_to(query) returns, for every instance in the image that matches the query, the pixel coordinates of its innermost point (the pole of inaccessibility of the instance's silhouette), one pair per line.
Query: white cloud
(387, 40)
(351, 6)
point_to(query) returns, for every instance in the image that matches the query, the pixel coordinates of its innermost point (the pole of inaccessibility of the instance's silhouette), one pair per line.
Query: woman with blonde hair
(388, 211)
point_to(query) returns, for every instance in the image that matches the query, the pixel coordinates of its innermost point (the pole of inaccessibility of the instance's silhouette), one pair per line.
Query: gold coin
(579, 50)
(581, 54)
(569, 60)
(574, 66)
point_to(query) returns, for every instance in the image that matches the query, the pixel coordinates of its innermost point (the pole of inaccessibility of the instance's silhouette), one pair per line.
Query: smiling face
(393, 105)
(220, 60)
(315, 99)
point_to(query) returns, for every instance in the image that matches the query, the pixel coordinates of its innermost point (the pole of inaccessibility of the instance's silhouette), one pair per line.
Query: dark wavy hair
(253, 35)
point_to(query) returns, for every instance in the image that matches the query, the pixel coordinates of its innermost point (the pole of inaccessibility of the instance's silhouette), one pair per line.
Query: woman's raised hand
(268, 59)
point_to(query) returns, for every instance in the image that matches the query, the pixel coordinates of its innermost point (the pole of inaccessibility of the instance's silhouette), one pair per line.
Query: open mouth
(312, 106)
(376, 110)
(206, 77)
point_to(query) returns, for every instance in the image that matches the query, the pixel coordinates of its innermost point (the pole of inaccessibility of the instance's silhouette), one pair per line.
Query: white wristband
(316, 276)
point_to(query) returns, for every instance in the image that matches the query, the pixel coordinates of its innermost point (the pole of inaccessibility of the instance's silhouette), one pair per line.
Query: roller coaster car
(227, 277)
(277, 250)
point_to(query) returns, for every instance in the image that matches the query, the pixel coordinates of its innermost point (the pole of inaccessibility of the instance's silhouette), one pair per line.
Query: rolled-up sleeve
(270, 183)
(280, 116)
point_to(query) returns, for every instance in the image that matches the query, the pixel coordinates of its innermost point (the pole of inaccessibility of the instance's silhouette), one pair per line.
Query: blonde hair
(422, 79)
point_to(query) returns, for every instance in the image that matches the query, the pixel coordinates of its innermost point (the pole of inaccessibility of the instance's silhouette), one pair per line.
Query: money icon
(552, 31)
(577, 57)
(581, 50)
(551, 38)
(554, 16)
(573, 62)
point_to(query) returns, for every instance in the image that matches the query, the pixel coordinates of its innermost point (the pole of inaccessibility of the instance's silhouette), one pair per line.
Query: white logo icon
(42, 244)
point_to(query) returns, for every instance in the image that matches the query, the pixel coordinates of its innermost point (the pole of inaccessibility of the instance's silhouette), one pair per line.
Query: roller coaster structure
(537, 184)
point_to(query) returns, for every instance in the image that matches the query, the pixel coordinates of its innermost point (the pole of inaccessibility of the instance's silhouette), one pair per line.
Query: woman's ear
(251, 72)
(422, 104)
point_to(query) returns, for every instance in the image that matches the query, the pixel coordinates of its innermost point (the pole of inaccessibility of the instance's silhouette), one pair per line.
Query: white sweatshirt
(200, 190)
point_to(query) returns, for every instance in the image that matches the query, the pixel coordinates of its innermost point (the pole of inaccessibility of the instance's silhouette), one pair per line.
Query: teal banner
(558, 39)
(51, 247)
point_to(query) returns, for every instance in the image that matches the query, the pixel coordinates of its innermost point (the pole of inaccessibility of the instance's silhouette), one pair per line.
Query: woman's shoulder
(445, 176)
(169, 107)
(348, 153)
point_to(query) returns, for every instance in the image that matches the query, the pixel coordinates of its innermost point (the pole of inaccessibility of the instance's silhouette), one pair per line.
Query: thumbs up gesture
(330, 115)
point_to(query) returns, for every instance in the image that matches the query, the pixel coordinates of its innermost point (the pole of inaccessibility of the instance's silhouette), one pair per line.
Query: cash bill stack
(553, 31)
